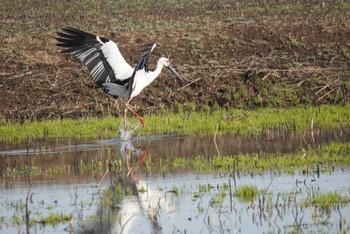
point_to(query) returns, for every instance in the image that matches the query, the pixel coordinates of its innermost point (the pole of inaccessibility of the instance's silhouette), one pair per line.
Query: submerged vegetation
(184, 122)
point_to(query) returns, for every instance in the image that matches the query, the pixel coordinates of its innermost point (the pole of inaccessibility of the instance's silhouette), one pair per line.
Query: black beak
(175, 73)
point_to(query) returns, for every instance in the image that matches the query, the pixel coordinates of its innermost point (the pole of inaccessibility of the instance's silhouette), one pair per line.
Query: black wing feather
(85, 47)
(143, 62)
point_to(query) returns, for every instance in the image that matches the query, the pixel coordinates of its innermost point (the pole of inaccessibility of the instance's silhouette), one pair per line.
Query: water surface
(176, 201)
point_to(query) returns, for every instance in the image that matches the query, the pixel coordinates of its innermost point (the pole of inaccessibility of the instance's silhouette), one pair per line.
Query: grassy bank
(185, 122)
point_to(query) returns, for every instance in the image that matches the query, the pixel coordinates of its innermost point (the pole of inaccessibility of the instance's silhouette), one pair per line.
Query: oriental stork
(108, 68)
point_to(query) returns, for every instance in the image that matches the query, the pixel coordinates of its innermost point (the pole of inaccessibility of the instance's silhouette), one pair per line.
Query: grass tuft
(246, 193)
(325, 202)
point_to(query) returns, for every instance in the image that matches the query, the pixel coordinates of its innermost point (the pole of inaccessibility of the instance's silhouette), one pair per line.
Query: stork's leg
(126, 110)
(134, 112)
(116, 103)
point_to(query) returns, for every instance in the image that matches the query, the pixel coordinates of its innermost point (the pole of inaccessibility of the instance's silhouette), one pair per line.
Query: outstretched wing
(100, 55)
(143, 62)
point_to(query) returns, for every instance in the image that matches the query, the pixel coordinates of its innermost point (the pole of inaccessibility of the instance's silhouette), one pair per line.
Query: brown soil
(233, 55)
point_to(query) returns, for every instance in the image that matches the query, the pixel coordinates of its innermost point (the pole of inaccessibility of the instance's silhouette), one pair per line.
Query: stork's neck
(152, 75)
(143, 79)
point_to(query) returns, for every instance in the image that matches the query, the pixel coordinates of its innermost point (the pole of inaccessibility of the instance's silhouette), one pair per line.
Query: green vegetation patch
(246, 193)
(54, 219)
(184, 122)
(327, 156)
(326, 201)
(22, 169)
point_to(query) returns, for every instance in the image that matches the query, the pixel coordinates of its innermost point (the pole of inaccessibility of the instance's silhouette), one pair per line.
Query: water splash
(128, 149)
(125, 135)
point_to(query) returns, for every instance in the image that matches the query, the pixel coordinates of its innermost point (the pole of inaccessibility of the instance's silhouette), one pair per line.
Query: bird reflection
(133, 158)
(113, 214)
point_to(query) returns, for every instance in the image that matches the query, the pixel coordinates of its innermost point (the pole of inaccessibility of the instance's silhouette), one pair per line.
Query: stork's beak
(175, 72)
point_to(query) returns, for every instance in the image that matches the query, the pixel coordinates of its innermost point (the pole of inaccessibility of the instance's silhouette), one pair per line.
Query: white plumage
(122, 70)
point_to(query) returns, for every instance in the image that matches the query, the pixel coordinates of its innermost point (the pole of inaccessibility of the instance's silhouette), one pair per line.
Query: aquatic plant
(107, 197)
(326, 201)
(246, 193)
(218, 198)
(16, 220)
(175, 190)
(54, 219)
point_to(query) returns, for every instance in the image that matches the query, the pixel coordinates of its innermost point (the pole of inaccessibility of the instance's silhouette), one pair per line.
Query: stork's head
(165, 62)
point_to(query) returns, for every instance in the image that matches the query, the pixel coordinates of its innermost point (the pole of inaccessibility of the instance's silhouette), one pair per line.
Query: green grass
(246, 193)
(326, 201)
(184, 122)
(54, 219)
(327, 156)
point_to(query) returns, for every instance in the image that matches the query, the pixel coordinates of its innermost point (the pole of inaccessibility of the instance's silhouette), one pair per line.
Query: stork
(108, 67)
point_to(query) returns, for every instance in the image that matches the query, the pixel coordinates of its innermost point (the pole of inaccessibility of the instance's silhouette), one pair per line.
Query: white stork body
(143, 78)
(108, 67)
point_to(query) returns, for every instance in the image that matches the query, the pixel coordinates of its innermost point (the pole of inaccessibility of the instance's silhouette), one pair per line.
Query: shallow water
(158, 209)
(168, 202)
(58, 153)
(191, 211)
(44, 198)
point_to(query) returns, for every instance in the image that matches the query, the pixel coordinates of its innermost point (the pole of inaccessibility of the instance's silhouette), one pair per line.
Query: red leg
(143, 157)
(134, 112)
(129, 169)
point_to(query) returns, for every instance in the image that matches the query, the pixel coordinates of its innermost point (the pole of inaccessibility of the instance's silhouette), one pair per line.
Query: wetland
(290, 182)
(256, 140)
